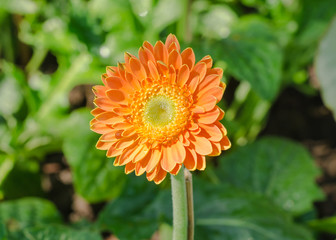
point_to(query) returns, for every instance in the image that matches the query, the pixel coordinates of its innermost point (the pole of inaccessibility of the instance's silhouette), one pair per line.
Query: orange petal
(161, 52)
(202, 145)
(99, 91)
(104, 103)
(132, 81)
(209, 117)
(172, 43)
(137, 69)
(211, 132)
(175, 59)
(100, 127)
(129, 167)
(113, 152)
(167, 162)
(153, 70)
(216, 149)
(110, 118)
(103, 145)
(160, 176)
(183, 75)
(140, 167)
(162, 67)
(145, 55)
(97, 111)
(122, 111)
(149, 46)
(225, 143)
(206, 102)
(151, 175)
(109, 136)
(207, 60)
(201, 164)
(188, 57)
(126, 155)
(125, 142)
(209, 82)
(217, 71)
(111, 70)
(176, 169)
(193, 81)
(190, 161)
(176, 152)
(201, 69)
(117, 96)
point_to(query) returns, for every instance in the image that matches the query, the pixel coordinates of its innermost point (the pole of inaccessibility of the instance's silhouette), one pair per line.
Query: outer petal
(172, 43)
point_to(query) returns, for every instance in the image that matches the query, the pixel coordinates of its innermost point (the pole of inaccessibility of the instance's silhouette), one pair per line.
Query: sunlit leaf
(325, 67)
(278, 168)
(253, 55)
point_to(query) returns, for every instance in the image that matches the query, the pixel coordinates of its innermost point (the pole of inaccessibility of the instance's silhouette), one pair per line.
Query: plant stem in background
(190, 203)
(183, 26)
(180, 214)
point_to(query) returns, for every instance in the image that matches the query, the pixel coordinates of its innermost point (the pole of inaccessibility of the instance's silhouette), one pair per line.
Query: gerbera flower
(158, 112)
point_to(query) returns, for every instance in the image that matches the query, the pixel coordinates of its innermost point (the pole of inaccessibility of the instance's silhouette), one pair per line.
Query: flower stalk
(190, 203)
(180, 208)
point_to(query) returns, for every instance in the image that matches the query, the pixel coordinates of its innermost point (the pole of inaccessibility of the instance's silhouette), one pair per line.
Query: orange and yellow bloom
(158, 112)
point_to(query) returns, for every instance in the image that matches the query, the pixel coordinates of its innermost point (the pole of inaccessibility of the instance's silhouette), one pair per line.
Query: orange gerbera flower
(158, 112)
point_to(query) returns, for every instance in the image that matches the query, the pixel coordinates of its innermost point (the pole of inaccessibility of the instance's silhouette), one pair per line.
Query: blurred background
(278, 181)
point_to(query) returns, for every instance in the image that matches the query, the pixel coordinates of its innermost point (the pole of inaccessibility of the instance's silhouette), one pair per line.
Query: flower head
(158, 112)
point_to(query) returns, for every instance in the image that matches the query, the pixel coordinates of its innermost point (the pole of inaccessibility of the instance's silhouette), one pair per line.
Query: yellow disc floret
(160, 111)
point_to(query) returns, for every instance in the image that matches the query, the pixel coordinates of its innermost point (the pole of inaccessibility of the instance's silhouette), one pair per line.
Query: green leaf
(325, 67)
(95, 177)
(19, 6)
(253, 55)
(278, 168)
(6, 165)
(51, 232)
(3, 232)
(10, 96)
(233, 215)
(165, 13)
(324, 225)
(217, 22)
(17, 215)
(138, 208)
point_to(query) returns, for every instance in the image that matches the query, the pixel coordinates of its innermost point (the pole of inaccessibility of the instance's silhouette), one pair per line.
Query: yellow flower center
(160, 111)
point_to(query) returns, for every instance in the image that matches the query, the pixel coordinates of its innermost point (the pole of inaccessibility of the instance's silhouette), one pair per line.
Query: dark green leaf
(95, 177)
(235, 216)
(3, 233)
(325, 67)
(278, 168)
(27, 212)
(138, 209)
(51, 232)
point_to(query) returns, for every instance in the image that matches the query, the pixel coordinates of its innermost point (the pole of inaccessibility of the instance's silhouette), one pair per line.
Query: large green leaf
(325, 67)
(95, 177)
(253, 55)
(27, 212)
(234, 215)
(58, 232)
(278, 168)
(138, 208)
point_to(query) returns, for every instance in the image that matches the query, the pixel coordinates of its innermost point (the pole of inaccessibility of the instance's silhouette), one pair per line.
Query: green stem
(180, 210)
(190, 203)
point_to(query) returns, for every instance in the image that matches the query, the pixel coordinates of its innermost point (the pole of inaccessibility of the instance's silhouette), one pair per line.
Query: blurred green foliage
(257, 192)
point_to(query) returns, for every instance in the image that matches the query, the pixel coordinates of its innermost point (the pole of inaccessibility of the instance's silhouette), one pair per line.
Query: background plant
(51, 50)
